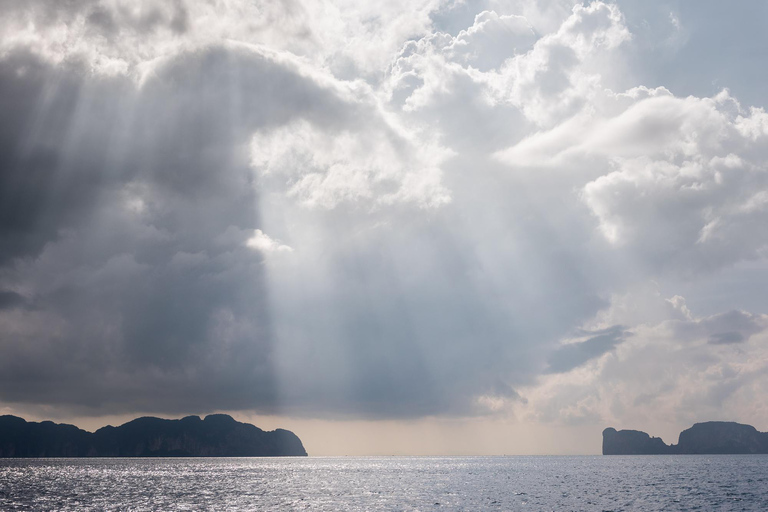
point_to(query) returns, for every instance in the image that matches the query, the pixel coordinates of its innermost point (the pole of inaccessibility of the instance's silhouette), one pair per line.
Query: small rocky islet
(711, 437)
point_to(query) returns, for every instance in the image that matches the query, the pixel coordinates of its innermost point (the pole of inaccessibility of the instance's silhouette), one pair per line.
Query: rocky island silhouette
(218, 435)
(711, 437)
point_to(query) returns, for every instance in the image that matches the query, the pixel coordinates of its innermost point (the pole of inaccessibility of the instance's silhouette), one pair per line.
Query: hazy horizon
(431, 227)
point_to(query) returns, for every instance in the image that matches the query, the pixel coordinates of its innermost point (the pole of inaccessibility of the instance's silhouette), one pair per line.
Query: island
(711, 437)
(218, 435)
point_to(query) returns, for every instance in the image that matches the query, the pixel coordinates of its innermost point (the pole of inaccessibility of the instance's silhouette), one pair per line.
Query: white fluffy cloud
(260, 241)
(679, 180)
(369, 165)
(124, 36)
(561, 72)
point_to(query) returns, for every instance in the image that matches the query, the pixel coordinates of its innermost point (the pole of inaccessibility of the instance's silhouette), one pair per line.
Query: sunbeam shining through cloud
(416, 219)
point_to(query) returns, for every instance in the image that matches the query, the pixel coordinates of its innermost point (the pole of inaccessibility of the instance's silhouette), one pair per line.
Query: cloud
(10, 300)
(679, 180)
(260, 241)
(523, 81)
(129, 217)
(491, 40)
(121, 36)
(373, 164)
(696, 202)
(552, 81)
(723, 338)
(721, 328)
(335, 210)
(672, 371)
(574, 354)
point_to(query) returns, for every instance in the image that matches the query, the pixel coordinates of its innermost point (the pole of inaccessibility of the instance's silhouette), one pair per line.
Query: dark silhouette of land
(218, 435)
(712, 437)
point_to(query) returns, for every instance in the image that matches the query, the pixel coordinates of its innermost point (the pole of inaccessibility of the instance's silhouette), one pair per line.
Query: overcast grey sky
(544, 215)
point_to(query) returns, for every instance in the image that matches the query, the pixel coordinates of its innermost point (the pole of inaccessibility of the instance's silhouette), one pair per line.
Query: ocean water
(693, 482)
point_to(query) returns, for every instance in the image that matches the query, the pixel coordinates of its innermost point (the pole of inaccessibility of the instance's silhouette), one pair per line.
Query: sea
(685, 482)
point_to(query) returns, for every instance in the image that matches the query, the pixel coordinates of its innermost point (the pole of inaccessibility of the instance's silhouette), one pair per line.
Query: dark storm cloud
(126, 211)
(45, 186)
(573, 355)
(9, 300)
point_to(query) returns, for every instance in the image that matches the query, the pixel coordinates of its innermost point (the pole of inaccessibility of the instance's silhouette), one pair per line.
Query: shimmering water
(692, 482)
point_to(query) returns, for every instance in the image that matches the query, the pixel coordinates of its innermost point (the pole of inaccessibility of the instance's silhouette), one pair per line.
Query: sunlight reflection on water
(693, 482)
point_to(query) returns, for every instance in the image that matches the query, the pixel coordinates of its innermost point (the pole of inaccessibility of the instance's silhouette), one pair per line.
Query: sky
(409, 227)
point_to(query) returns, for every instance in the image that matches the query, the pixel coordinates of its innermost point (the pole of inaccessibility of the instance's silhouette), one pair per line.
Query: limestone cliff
(712, 437)
(217, 435)
(632, 442)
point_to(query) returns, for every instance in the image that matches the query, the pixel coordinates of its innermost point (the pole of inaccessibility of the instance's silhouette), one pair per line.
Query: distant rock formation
(712, 437)
(632, 442)
(218, 435)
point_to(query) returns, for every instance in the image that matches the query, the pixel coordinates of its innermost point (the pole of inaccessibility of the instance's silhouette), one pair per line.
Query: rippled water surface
(692, 482)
